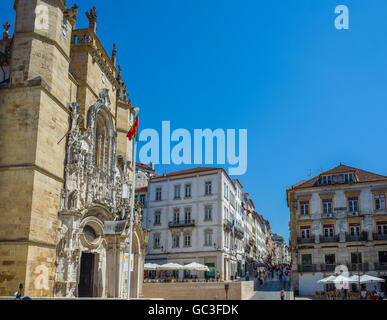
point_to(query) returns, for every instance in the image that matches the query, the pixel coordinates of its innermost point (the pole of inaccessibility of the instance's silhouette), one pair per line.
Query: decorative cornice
(25, 241)
(88, 38)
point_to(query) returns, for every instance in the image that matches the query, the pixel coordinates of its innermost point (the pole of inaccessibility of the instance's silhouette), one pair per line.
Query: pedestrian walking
(282, 294)
(290, 280)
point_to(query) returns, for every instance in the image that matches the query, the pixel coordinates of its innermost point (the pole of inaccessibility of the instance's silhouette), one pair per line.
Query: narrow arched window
(102, 144)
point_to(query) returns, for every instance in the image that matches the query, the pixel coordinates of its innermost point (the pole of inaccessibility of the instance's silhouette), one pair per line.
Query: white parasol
(150, 266)
(329, 279)
(365, 279)
(170, 266)
(194, 266)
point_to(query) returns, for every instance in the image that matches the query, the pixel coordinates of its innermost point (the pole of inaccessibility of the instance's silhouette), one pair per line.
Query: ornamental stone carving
(92, 196)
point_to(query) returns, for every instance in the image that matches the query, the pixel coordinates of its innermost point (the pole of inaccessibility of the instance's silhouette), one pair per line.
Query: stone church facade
(65, 169)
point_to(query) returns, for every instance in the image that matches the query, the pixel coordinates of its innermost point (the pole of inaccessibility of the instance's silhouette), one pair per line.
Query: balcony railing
(182, 224)
(329, 239)
(380, 266)
(305, 240)
(363, 236)
(378, 236)
(358, 267)
(328, 267)
(307, 268)
(227, 225)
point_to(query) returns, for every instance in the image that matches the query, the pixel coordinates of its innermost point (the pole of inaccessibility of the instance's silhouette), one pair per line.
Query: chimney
(153, 166)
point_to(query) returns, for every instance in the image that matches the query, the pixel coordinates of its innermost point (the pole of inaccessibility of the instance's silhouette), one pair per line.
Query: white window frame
(187, 214)
(188, 190)
(351, 204)
(327, 206)
(157, 214)
(187, 241)
(208, 188)
(208, 235)
(208, 213)
(303, 205)
(380, 202)
(354, 230)
(176, 191)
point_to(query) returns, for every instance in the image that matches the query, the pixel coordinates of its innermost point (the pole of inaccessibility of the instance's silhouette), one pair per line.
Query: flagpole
(132, 215)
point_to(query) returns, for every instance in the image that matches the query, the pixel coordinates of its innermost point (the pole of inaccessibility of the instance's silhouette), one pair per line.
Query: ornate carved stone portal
(90, 260)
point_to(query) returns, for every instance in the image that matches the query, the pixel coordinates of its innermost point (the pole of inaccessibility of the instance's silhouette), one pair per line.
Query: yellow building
(338, 219)
(64, 159)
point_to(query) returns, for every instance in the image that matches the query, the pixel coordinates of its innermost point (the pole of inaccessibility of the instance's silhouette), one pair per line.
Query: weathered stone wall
(34, 112)
(34, 117)
(199, 290)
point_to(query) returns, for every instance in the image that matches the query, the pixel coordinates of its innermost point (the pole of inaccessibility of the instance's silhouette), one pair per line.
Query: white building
(195, 215)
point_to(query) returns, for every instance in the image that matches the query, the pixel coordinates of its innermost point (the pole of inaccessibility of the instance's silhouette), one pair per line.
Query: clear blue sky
(310, 96)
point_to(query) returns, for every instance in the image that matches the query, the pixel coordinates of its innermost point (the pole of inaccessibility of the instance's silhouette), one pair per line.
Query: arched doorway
(86, 279)
(92, 266)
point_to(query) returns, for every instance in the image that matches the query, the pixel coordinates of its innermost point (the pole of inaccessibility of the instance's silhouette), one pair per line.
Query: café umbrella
(194, 266)
(365, 279)
(150, 266)
(327, 280)
(170, 266)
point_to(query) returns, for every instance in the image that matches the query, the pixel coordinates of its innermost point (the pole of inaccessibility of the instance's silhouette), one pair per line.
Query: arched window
(102, 143)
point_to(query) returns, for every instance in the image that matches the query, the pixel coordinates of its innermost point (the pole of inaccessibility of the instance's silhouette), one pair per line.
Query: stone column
(113, 269)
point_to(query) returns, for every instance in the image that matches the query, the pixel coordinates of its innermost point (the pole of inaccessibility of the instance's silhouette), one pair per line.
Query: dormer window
(336, 179)
(348, 177)
(327, 179)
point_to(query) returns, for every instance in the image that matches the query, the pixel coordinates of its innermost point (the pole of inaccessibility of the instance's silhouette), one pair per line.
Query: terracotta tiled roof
(184, 172)
(142, 190)
(240, 184)
(144, 166)
(360, 176)
(191, 171)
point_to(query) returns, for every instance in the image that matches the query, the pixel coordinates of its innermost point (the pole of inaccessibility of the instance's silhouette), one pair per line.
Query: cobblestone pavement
(270, 290)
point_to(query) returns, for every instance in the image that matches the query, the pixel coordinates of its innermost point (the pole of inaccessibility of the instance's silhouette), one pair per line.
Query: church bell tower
(33, 119)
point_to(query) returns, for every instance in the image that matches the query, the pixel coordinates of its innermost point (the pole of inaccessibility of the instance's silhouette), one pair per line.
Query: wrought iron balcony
(306, 268)
(380, 266)
(305, 240)
(363, 236)
(329, 239)
(379, 236)
(358, 267)
(227, 225)
(328, 267)
(182, 224)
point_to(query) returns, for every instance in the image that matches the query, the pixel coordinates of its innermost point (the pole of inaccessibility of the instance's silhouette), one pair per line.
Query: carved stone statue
(6, 27)
(93, 187)
(92, 17)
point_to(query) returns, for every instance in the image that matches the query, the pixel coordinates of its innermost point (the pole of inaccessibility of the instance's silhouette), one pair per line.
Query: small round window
(90, 234)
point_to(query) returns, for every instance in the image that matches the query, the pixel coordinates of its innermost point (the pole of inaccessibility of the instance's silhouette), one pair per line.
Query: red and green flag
(133, 132)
